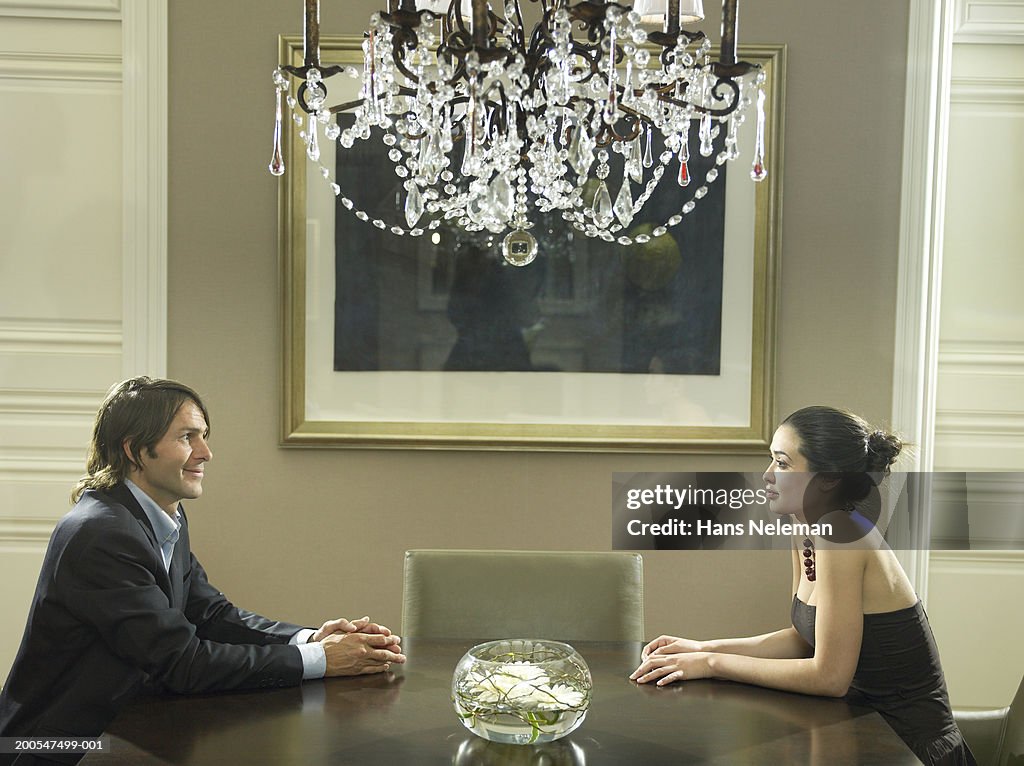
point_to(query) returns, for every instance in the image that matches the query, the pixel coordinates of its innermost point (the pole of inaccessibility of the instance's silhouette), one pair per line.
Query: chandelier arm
(735, 70)
(590, 54)
(613, 136)
(337, 109)
(311, 34)
(669, 43)
(590, 13)
(501, 108)
(721, 112)
(481, 24)
(541, 34)
(520, 24)
(722, 85)
(730, 12)
(405, 35)
(300, 72)
(460, 64)
(672, 18)
(463, 31)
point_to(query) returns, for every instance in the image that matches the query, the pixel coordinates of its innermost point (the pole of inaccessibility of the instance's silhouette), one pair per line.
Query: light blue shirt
(167, 530)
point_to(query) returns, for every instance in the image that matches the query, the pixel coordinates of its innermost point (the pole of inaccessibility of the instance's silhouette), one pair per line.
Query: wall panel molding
(1008, 424)
(59, 336)
(60, 67)
(989, 21)
(144, 209)
(981, 357)
(55, 402)
(919, 272)
(104, 10)
(41, 465)
(988, 91)
(14, 529)
(1004, 563)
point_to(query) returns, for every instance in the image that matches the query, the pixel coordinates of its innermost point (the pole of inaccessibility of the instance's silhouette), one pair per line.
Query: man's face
(176, 471)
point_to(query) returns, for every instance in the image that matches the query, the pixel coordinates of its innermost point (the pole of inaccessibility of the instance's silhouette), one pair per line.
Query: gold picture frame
(317, 411)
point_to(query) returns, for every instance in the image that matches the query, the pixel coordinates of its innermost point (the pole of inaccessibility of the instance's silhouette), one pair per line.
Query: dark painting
(448, 301)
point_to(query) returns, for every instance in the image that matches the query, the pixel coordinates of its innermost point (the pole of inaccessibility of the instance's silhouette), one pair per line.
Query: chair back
(1012, 747)
(566, 596)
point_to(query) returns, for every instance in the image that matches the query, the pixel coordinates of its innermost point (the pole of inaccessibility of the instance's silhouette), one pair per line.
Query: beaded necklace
(809, 569)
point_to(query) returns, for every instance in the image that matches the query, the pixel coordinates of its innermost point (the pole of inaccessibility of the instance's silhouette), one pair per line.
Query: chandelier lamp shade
(490, 124)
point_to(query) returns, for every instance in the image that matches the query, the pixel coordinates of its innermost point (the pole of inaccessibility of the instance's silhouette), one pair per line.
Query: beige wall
(307, 534)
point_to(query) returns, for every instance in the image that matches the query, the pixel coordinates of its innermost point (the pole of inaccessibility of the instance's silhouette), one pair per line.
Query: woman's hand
(670, 645)
(666, 668)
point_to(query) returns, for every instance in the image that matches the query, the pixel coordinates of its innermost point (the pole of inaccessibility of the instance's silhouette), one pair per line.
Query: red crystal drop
(684, 173)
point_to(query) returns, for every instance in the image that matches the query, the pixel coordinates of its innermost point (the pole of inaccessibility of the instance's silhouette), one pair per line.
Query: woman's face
(788, 475)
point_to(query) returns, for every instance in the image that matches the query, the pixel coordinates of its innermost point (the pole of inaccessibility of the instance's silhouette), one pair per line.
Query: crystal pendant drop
(413, 204)
(574, 145)
(758, 171)
(732, 149)
(684, 172)
(502, 198)
(312, 143)
(611, 104)
(684, 159)
(431, 159)
(519, 247)
(277, 160)
(583, 156)
(623, 208)
(705, 135)
(603, 214)
(648, 154)
(635, 164)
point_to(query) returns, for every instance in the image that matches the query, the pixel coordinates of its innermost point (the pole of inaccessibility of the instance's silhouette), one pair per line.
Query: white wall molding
(144, 314)
(929, 54)
(35, 402)
(988, 91)
(1006, 424)
(49, 464)
(104, 10)
(1009, 563)
(982, 357)
(60, 67)
(51, 336)
(989, 21)
(18, 530)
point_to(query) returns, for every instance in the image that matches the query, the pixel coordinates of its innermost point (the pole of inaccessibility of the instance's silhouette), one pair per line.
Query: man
(122, 602)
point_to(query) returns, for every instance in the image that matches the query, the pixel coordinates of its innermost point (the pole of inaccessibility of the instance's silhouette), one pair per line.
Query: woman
(859, 630)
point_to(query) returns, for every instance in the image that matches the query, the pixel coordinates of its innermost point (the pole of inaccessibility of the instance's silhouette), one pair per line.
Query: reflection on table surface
(406, 717)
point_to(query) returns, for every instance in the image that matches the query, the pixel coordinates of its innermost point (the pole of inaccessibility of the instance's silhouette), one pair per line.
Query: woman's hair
(139, 411)
(842, 444)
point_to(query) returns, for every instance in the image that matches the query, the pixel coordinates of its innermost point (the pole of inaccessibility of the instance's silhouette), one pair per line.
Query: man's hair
(139, 411)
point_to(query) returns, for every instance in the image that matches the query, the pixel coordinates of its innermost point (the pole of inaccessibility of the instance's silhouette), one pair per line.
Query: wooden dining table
(405, 716)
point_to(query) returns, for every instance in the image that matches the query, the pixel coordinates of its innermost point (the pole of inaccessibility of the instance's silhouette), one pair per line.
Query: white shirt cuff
(302, 636)
(314, 660)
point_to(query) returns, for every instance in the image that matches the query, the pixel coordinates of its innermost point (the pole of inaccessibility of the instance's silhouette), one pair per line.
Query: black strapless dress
(899, 675)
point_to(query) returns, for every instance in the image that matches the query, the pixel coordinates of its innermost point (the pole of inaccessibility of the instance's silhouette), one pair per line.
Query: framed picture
(428, 342)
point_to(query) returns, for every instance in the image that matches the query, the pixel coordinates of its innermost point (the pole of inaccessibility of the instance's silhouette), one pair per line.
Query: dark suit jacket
(107, 618)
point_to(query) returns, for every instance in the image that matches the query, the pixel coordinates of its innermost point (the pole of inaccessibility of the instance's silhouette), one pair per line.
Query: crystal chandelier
(488, 125)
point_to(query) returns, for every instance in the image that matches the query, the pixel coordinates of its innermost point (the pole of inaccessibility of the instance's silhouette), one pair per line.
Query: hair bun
(883, 449)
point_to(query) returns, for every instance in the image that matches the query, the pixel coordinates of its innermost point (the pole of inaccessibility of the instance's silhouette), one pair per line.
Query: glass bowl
(521, 691)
